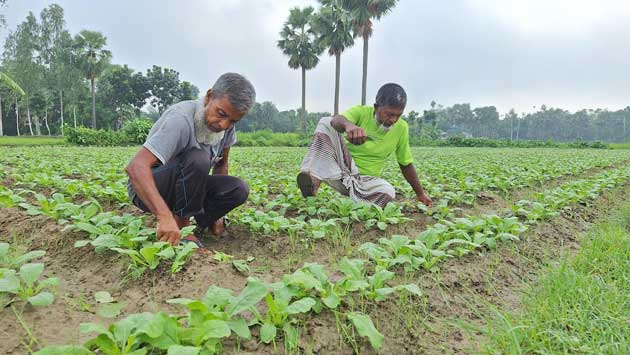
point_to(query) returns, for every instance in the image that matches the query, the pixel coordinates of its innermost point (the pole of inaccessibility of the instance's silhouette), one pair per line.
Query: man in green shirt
(374, 133)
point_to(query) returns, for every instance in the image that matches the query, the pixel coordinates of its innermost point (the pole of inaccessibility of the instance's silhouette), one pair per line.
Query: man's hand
(356, 135)
(167, 230)
(425, 199)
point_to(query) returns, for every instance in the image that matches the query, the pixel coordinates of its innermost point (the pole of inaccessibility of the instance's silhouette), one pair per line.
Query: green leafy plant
(26, 286)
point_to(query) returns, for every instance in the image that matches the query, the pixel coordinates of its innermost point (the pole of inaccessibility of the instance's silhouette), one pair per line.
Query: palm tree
(299, 42)
(334, 26)
(363, 11)
(6, 80)
(93, 59)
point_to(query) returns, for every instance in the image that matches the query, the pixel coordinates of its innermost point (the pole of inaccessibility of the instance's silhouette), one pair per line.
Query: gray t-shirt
(174, 133)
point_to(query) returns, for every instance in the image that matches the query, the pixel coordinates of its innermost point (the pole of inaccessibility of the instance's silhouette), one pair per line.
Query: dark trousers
(188, 190)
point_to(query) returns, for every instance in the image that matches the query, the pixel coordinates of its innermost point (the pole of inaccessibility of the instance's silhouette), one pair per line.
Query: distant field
(32, 141)
(620, 145)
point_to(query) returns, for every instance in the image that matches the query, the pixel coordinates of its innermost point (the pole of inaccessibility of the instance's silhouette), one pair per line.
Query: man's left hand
(425, 199)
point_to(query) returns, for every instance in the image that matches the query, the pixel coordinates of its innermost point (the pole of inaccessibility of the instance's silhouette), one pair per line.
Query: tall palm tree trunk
(337, 75)
(17, 116)
(303, 111)
(93, 105)
(365, 65)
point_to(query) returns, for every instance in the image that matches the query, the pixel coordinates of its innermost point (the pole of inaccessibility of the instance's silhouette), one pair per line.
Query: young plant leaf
(103, 297)
(267, 332)
(252, 294)
(366, 328)
(42, 299)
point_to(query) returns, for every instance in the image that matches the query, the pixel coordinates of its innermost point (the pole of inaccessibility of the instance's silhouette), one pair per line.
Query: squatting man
(169, 176)
(374, 133)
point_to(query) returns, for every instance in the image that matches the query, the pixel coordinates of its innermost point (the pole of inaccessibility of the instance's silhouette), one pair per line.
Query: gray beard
(384, 128)
(215, 138)
(381, 127)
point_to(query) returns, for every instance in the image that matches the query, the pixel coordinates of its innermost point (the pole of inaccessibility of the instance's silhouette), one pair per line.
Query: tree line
(546, 123)
(49, 77)
(475, 122)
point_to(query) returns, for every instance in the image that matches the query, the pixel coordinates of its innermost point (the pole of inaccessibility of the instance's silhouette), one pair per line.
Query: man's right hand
(356, 135)
(167, 230)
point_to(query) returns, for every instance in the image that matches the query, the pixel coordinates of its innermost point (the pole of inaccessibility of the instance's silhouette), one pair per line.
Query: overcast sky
(570, 54)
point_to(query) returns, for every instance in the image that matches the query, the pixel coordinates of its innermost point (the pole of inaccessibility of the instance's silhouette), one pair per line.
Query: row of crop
(277, 310)
(460, 236)
(455, 179)
(328, 214)
(106, 231)
(318, 216)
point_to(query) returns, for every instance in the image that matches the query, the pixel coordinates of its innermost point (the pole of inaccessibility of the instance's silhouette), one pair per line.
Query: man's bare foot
(316, 183)
(191, 238)
(308, 184)
(218, 227)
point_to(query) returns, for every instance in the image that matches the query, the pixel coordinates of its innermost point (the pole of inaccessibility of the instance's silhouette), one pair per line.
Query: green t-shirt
(370, 156)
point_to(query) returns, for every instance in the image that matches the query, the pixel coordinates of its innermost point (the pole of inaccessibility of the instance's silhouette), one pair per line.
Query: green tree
(363, 12)
(124, 91)
(9, 83)
(299, 42)
(415, 122)
(333, 24)
(164, 87)
(20, 54)
(57, 54)
(187, 91)
(93, 59)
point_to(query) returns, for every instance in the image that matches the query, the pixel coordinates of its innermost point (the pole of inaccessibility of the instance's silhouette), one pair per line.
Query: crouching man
(169, 176)
(374, 133)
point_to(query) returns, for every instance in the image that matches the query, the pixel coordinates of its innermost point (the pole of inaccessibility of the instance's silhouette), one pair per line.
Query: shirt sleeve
(403, 152)
(171, 136)
(354, 114)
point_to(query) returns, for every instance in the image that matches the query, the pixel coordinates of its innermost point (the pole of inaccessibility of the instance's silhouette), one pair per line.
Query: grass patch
(581, 305)
(620, 145)
(15, 141)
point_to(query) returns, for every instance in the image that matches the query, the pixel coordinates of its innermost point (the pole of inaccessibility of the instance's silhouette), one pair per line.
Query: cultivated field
(323, 275)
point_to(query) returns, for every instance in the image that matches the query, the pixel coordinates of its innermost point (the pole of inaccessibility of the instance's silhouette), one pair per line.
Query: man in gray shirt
(169, 176)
